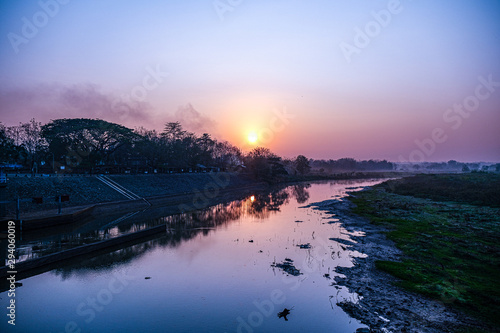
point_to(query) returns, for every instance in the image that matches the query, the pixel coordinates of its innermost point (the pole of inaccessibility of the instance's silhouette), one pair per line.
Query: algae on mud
(450, 249)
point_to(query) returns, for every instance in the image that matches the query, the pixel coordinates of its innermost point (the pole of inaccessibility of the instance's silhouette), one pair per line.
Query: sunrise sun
(252, 137)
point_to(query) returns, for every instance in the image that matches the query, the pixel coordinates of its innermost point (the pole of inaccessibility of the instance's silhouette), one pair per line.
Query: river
(229, 268)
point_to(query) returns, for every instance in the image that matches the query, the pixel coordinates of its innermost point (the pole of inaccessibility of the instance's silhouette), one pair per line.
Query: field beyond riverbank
(447, 227)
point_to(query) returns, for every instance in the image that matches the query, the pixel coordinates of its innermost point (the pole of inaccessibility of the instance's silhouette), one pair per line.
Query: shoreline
(165, 205)
(42, 216)
(50, 218)
(382, 306)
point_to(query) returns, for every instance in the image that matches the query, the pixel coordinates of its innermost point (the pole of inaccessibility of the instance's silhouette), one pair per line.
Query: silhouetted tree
(302, 164)
(86, 141)
(9, 152)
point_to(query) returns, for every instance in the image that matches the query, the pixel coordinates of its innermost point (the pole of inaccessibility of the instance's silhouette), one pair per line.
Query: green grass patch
(476, 188)
(451, 250)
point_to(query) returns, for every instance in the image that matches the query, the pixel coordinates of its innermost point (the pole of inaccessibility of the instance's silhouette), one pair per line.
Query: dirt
(381, 305)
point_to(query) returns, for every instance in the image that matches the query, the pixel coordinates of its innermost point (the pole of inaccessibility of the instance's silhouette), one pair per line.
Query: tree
(149, 146)
(173, 131)
(302, 164)
(174, 142)
(206, 146)
(346, 164)
(264, 164)
(28, 136)
(226, 155)
(86, 142)
(9, 152)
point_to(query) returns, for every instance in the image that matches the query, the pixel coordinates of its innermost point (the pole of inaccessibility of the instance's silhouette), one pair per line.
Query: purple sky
(397, 80)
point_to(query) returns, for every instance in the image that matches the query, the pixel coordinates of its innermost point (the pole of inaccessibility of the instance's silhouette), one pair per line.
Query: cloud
(192, 120)
(46, 102)
(53, 101)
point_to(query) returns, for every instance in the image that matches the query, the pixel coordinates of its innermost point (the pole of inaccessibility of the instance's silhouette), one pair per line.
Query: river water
(229, 268)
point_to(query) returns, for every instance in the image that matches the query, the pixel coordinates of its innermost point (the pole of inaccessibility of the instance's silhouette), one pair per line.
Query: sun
(252, 137)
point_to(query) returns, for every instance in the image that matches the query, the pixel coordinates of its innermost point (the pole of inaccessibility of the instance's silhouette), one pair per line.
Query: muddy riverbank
(383, 306)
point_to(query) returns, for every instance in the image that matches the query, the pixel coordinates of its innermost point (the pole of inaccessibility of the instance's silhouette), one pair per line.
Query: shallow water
(212, 271)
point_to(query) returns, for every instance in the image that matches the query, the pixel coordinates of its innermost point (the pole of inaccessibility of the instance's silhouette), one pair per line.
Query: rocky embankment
(88, 190)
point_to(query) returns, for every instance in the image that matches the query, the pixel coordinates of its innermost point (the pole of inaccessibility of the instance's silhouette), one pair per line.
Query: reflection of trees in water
(179, 228)
(265, 204)
(300, 192)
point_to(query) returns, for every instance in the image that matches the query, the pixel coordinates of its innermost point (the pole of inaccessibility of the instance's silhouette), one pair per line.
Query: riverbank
(89, 196)
(86, 191)
(431, 266)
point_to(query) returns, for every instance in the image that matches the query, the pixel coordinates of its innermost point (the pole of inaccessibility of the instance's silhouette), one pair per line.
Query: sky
(398, 80)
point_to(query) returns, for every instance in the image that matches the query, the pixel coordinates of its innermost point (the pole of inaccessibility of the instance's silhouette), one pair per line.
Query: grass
(476, 188)
(451, 248)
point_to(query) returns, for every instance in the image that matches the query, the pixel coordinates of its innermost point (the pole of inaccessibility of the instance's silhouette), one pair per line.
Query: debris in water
(298, 221)
(147, 278)
(304, 246)
(250, 241)
(288, 267)
(284, 313)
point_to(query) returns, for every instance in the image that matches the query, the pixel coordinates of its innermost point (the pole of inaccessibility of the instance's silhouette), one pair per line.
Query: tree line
(350, 164)
(83, 145)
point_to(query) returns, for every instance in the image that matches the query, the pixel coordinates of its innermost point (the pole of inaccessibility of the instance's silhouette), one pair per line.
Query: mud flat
(383, 304)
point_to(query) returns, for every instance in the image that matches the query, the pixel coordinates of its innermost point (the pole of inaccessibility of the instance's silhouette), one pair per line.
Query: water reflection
(204, 271)
(300, 192)
(179, 227)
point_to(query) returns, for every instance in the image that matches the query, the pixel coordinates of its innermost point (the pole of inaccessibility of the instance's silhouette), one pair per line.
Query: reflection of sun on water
(252, 137)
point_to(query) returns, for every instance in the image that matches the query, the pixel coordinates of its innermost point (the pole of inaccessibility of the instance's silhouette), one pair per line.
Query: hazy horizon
(395, 80)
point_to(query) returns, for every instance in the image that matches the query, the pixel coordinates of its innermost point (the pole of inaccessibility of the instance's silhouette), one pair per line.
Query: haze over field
(396, 80)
